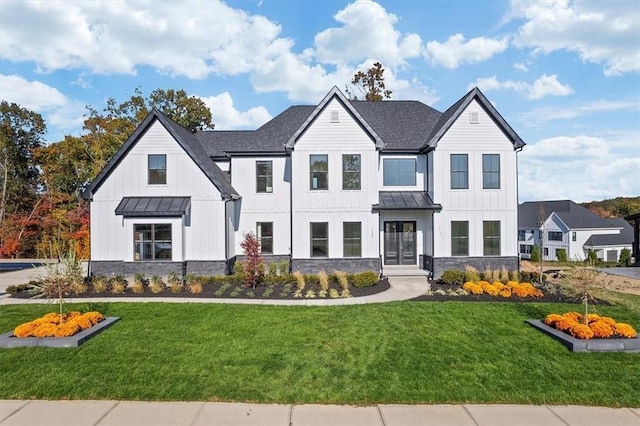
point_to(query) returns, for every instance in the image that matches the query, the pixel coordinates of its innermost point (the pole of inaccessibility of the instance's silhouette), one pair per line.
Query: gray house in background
(558, 225)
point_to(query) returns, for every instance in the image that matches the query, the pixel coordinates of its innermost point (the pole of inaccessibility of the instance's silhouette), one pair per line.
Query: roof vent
(335, 116)
(473, 117)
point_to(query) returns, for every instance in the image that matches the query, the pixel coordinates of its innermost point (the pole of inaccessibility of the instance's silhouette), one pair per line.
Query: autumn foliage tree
(369, 84)
(254, 263)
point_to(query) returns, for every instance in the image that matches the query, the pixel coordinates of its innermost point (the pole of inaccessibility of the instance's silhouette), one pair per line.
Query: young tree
(254, 264)
(369, 84)
(586, 279)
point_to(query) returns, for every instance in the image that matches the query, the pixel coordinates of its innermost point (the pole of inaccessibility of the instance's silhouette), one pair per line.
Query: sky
(564, 74)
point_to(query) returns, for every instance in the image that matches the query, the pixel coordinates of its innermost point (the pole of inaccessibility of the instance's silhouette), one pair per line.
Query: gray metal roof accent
(185, 139)
(625, 237)
(405, 200)
(573, 215)
(451, 115)
(335, 93)
(153, 206)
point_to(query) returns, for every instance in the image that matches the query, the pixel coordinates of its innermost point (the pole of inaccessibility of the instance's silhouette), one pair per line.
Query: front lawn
(404, 352)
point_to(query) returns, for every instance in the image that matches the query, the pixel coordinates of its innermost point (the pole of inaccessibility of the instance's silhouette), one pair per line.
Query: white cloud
(598, 31)
(455, 51)
(580, 168)
(227, 117)
(520, 67)
(546, 85)
(578, 110)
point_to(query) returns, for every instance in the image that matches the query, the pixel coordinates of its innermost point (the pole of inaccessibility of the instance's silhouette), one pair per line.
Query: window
(459, 171)
(554, 236)
(335, 116)
(491, 171)
(157, 169)
(399, 172)
(522, 235)
(152, 242)
(491, 237)
(546, 251)
(319, 168)
(264, 176)
(319, 239)
(350, 171)
(459, 238)
(352, 239)
(574, 237)
(526, 248)
(264, 234)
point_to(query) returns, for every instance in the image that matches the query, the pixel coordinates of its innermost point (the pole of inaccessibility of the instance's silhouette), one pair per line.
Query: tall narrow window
(352, 239)
(522, 235)
(157, 167)
(399, 172)
(264, 234)
(574, 236)
(319, 239)
(318, 171)
(459, 238)
(459, 171)
(491, 236)
(152, 242)
(264, 176)
(491, 171)
(350, 171)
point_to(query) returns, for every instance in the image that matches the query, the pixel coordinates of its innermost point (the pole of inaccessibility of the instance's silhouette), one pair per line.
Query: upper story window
(491, 171)
(491, 237)
(574, 236)
(459, 171)
(350, 171)
(157, 167)
(152, 242)
(459, 238)
(264, 176)
(522, 235)
(399, 172)
(554, 236)
(319, 171)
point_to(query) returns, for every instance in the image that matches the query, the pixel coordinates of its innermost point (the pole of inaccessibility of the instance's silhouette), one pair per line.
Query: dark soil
(553, 293)
(235, 290)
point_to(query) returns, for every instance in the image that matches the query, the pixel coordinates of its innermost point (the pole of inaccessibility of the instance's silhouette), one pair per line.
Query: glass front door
(400, 243)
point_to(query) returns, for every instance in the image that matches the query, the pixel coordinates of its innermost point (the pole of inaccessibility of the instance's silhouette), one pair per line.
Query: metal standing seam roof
(153, 206)
(405, 200)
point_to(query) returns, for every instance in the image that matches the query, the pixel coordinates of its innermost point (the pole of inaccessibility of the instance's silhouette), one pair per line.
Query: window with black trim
(264, 176)
(491, 171)
(157, 167)
(526, 248)
(264, 235)
(491, 237)
(319, 239)
(522, 235)
(399, 172)
(319, 171)
(459, 238)
(554, 236)
(352, 239)
(459, 171)
(152, 242)
(574, 236)
(350, 171)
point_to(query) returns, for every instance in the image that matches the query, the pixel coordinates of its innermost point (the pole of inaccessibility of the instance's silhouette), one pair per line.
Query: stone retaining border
(587, 345)
(8, 340)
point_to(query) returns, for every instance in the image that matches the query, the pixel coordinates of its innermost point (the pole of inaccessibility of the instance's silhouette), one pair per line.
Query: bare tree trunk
(3, 197)
(33, 211)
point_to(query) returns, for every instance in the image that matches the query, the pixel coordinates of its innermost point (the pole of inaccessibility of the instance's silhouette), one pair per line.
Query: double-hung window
(459, 238)
(157, 169)
(350, 171)
(319, 239)
(554, 236)
(459, 171)
(318, 171)
(491, 237)
(152, 242)
(352, 239)
(399, 172)
(264, 176)
(264, 234)
(491, 171)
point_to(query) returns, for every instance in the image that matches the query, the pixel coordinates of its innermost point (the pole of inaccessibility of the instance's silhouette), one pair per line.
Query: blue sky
(564, 74)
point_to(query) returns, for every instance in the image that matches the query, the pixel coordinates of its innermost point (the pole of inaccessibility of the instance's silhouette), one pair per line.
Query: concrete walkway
(123, 413)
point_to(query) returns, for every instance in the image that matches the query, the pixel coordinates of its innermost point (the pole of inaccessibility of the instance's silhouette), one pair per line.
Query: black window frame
(318, 173)
(526, 248)
(153, 242)
(391, 168)
(156, 173)
(459, 176)
(351, 239)
(262, 238)
(316, 241)
(264, 181)
(522, 235)
(489, 246)
(354, 183)
(555, 235)
(459, 240)
(490, 171)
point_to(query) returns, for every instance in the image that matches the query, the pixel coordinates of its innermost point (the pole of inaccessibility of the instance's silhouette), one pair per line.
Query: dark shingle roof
(625, 237)
(573, 215)
(153, 206)
(405, 200)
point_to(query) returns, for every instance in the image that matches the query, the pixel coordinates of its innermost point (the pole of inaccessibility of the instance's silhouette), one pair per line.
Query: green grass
(451, 352)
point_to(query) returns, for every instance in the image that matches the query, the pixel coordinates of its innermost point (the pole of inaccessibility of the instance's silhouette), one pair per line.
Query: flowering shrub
(498, 288)
(598, 326)
(55, 325)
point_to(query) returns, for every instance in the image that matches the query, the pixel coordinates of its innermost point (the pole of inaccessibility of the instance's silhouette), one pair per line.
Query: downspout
(290, 211)
(517, 205)
(226, 235)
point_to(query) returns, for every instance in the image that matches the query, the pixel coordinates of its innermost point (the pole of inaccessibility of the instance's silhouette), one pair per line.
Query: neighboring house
(569, 226)
(349, 185)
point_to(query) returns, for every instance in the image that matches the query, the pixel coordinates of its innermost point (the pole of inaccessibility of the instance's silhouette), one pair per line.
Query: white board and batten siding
(334, 133)
(475, 204)
(112, 236)
(257, 207)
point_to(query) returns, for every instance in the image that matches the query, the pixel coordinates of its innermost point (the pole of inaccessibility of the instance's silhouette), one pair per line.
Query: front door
(400, 243)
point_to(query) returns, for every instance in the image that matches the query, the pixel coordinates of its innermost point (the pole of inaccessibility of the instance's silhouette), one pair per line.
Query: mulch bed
(235, 290)
(552, 294)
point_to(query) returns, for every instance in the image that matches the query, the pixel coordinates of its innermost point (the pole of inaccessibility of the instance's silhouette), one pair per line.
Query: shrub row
(456, 277)
(497, 288)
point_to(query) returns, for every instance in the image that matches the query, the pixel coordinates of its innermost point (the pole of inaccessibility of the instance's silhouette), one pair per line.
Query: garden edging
(8, 340)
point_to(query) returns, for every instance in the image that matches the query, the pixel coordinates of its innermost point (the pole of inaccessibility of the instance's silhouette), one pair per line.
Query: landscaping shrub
(589, 326)
(273, 269)
(365, 279)
(100, 284)
(300, 280)
(452, 277)
(157, 284)
(535, 253)
(117, 284)
(625, 257)
(343, 279)
(561, 254)
(592, 257)
(283, 268)
(58, 325)
(471, 273)
(12, 289)
(323, 280)
(140, 282)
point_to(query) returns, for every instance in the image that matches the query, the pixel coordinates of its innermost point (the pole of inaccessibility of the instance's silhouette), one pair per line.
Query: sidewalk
(123, 413)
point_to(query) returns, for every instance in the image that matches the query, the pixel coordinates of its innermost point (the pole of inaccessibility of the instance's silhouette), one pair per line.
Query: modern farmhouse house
(565, 225)
(349, 185)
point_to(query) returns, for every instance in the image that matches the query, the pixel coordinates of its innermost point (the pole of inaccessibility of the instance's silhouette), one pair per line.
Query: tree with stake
(254, 264)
